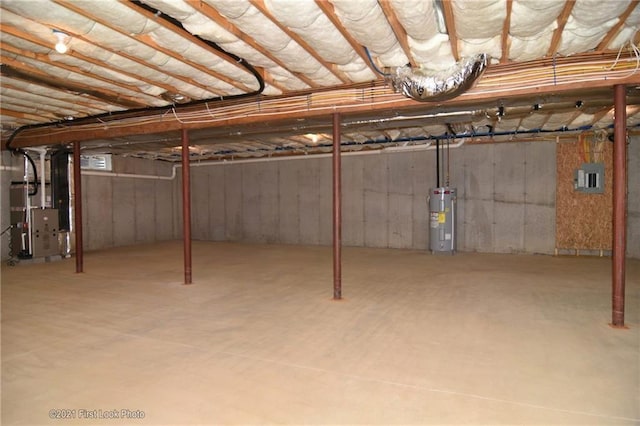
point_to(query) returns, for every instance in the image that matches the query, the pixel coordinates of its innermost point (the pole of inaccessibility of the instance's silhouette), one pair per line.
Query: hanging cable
(373, 64)
(132, 113)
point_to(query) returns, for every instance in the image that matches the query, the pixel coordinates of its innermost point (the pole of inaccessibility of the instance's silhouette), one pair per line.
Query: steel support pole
(77, 206)
(619, 205)
(186, 206)
(337, 211)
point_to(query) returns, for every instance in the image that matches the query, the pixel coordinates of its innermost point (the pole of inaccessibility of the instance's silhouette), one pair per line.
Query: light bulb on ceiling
(63, 40)
(313, 137)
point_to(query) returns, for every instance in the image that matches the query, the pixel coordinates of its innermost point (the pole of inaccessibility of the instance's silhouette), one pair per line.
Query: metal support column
(77, 206)
(337, 211)
(186, 206)
(619, 205)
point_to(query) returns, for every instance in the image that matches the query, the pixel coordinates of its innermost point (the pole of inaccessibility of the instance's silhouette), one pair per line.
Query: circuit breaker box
(442, 220)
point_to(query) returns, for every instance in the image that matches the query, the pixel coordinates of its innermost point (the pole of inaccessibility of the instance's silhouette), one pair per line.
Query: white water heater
(442, 220)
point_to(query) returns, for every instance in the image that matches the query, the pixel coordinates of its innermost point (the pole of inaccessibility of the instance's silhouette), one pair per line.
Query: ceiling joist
(505, 41)
(55, 66)
(618, 26)
(259, 4)
(215, 16)
(146, 41)
(450, 23)
(329, 11)
(398, 30)
(562, 22)
(21, 71)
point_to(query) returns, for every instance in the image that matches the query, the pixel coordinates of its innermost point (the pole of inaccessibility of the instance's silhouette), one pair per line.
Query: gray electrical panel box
(589, 178)
(44, 232)
(442, 220)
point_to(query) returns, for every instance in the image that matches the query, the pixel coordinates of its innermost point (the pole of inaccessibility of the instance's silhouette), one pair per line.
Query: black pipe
(437, 163)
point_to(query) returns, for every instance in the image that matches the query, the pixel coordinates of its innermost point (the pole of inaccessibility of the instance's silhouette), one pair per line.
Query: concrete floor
(419, 339)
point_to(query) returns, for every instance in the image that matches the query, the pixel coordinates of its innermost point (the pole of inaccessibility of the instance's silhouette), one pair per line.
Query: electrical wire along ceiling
(262, 77)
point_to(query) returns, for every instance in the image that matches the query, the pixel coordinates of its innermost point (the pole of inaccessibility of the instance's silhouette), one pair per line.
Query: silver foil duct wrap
(429, 86)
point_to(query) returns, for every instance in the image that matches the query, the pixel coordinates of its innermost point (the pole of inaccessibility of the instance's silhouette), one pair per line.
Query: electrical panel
(589, 178)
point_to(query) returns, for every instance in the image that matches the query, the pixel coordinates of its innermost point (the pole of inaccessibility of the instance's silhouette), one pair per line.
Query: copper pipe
(337, 211)
(77, 206)
(186, 206)
(619, 205)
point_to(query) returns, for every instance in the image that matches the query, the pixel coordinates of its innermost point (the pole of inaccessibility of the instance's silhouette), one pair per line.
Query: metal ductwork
(430, 86)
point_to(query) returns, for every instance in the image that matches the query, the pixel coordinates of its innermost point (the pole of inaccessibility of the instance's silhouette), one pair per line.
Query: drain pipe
(337, 211)
(42, 152)
(186, 206)
(619, 205)
(77, 207)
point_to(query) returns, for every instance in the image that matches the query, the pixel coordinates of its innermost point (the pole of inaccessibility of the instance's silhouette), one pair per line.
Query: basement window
(100, 162)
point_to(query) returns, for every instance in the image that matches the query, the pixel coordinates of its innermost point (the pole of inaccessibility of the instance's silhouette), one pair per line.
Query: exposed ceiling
(262, 77)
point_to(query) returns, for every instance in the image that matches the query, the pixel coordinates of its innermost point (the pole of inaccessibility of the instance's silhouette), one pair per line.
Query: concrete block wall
(633, 201)
(119, 211)
(506, 198)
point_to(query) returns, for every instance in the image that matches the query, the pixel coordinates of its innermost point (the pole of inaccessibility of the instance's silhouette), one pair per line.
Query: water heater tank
(442, 220)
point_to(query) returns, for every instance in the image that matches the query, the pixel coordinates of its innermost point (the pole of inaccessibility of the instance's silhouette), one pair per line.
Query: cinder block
(400, 225)
(633, 178)
(633, 235)
(509, 227)
(325, 181)
(375, 173)
(420, 220)
(309, 200)
(251, 174)
(539, 229)
(98, 201)
(289, 226)
(164, 201)
(124, 215)
(233, 202)
(509, 172)
(216, 209)
(375, 219)
(269, 203)
(479, 183)
(540, 173)
(424, 172)
(400, 169)
(353, 201)
(479, 227)
(199, 203)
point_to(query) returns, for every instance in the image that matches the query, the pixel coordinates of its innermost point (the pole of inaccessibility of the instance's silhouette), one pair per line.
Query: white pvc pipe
(43, 155)
(43, 186)
(129, 175)
(408, 148)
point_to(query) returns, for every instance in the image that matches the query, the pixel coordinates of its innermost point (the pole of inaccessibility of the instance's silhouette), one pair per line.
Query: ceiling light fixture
(313, 137)
(63, 41)
(175, 98)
